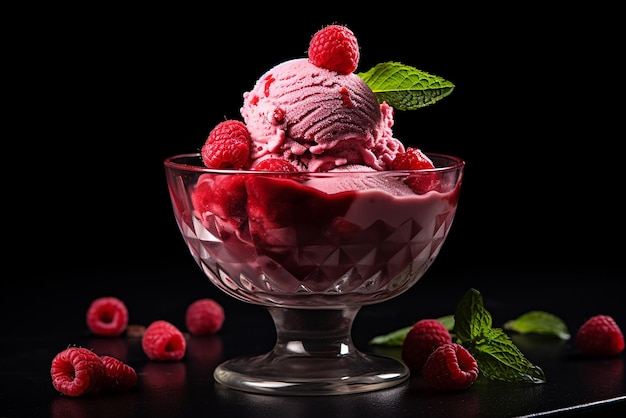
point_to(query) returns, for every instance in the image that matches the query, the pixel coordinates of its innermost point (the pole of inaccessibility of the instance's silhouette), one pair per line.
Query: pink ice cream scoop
(318, 119)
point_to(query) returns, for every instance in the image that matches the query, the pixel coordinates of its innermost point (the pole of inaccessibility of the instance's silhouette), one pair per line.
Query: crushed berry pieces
(268, 82)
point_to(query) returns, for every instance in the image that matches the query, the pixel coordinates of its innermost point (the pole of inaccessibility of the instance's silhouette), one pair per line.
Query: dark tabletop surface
(39, 321)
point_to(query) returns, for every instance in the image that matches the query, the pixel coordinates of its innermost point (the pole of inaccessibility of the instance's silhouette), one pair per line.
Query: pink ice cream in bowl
(310, 207)
(318, 119)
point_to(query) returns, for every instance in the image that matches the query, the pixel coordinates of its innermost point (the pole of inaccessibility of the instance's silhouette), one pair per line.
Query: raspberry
(278, 209)
(107, 316)
(423, 338)
(163, 341)
(274, 164)
(222, 196)
(411, 159)
(227, 146)
(204, 317)
(450, 367)
(77, 371)
(335, 48)
(600, 336)
(117, 374)
(415, 159)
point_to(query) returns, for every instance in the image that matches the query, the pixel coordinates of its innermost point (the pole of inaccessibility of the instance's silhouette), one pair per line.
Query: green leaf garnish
(404, 87)
(396, 338)
(393, 339)
(447, 321)
(497, 356)
(539, 322)
(499, 359)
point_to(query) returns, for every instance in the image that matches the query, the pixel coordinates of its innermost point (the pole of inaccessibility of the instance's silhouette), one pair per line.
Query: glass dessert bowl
(313, 248)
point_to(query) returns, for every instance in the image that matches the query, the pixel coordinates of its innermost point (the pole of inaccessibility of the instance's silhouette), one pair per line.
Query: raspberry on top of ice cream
(317, 114)
(335, 48)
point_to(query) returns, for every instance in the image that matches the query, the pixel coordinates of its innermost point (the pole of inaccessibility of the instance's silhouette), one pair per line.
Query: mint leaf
(499, 359)
(447, 321)
(471, 319)
(497, 356)
(393, 339)
(539, 322)
(404, 87)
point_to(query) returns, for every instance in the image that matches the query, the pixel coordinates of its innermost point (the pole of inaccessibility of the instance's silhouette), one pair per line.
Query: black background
(102, 95)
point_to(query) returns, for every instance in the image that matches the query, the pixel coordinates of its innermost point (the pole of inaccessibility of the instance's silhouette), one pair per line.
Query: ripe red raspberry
(423, 338)
(107, 316)
(274, 164)
(223, 196)
(335, 48)
(600, 336)
(415, 159)
(77, 371)
(450, 367)
(227, 146)
(163, 341)
(117, 374)
(204, 317)
(411, 159)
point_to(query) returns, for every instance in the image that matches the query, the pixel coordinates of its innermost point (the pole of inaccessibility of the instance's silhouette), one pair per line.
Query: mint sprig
(497, 356)
(539, 322)
(404, 87)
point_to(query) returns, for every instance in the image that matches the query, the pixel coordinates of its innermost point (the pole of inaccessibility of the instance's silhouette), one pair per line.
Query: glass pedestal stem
(314, 355)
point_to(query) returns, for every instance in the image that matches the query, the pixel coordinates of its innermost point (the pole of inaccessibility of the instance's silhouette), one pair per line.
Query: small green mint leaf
(539, 322)
(404, 87)
(447, 321)
(471, 319)
(393, 339)
(499, 359)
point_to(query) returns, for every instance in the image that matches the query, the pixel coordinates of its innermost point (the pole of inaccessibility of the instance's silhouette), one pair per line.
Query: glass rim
(456, 163)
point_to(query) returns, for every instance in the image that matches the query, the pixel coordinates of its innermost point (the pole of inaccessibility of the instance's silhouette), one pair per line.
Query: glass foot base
(274, 374)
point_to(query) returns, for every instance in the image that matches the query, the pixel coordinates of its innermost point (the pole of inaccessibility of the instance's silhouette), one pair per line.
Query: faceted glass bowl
(313, 253)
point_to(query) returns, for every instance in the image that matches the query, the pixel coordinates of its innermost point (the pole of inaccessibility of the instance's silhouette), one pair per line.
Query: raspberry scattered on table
(163, 341)
(118, 376)
(600, 336)
(204, 317)
(450, 367)
(423, 338)
(77, 371)
(107, 316)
